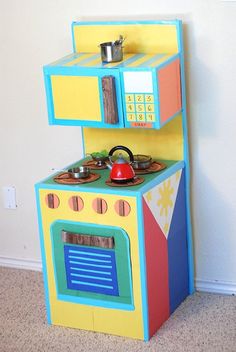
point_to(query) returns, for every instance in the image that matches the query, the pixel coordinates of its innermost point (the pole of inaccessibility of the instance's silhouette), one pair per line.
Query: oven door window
(90, 269)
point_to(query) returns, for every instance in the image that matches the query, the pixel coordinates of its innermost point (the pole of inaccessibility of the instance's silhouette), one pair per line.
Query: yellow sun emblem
(165, 200)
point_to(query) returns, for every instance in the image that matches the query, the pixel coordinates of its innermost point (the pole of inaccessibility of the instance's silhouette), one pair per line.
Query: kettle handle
(121, 147)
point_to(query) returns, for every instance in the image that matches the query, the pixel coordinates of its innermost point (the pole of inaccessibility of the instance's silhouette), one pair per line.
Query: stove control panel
(99, 205)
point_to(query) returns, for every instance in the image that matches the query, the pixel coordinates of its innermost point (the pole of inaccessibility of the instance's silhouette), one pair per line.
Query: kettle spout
(108, 165)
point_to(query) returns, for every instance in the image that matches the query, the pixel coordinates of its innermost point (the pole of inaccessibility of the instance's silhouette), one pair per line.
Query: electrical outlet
(9, 197)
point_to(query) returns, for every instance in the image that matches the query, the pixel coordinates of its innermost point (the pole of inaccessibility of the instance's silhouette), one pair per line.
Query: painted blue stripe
(92, 268)
(87, 60)
(65, 59)
(130, 60)
(89, 259)
(90, 284)
(93, 254)
(151, 60)
(91, 277)
(87, 264)
(91, 271)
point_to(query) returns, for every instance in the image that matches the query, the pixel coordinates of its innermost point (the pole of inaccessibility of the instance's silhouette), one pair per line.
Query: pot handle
(121, 147)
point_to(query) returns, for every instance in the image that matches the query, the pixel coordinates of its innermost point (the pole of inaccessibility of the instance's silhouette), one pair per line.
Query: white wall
(33, 33)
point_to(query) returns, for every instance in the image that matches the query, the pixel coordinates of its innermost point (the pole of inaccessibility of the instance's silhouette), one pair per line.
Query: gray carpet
(204, 322)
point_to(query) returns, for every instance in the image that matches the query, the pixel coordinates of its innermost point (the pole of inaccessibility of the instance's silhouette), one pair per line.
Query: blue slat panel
(91, 269)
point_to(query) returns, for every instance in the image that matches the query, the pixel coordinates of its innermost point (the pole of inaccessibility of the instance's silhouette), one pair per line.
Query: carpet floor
(203, 323)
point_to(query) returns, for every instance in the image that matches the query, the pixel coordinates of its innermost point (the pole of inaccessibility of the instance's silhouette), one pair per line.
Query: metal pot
(112, 51)
(79, 172)
(141, 162)
(100, 161)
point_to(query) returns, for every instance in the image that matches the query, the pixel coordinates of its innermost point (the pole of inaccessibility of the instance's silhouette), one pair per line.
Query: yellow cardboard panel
(127, 323)
(166, 143)
(140, 38)
(76, 97)
(118, 323)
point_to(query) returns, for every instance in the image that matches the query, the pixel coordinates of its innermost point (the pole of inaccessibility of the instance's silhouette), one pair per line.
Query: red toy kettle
(121, 170)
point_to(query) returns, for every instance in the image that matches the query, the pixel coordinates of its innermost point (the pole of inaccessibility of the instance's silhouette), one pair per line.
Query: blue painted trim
(76, 188)
(168, 61)
(97, 124)
(43, 255)
(87, 60)
(143, 273)
(50, 106)
(156, 98)
(163, 22)
(99, 303)
(125, 192)
(186, 158)
(130, 61)
(171, 170)
(150, 61)
(92, 301)
(154, 91)
(78, 71)
(65, 59)
(179, 27)
(83, 143)
(92, 72)
(73, 36)
(171, 118)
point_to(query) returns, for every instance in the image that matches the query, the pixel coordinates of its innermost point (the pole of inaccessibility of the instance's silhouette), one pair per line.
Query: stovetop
(100, 184)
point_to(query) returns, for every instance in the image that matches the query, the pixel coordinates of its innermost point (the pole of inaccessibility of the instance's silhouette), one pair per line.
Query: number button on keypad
(140, 108)
(139, 98)
(129, 98)
(149, 98)
(140, 117)
(130, 107)
(150, 117)
(131, 117)
(149, 107)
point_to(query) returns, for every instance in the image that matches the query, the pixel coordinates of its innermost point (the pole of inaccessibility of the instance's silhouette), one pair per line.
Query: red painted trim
(157, 272)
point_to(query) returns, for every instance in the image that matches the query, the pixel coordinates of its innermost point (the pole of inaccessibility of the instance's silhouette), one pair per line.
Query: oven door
(88, 97)
(92, 264)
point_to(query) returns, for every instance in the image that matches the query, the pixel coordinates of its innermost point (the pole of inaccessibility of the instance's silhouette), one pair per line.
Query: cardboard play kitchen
(115, 227)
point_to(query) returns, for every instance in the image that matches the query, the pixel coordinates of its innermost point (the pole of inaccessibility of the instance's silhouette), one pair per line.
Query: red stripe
(157, 272)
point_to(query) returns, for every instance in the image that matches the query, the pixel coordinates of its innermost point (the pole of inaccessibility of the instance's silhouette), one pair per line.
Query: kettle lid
(121, 159)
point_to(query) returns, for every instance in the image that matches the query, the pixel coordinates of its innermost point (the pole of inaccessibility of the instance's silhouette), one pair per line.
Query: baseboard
(211, 286)
(18, 263)
(216, 286)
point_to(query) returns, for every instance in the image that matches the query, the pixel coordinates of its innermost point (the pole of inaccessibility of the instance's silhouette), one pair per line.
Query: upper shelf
(130, 60)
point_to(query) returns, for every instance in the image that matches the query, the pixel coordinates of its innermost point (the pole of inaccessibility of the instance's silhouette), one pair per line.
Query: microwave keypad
(140, 107)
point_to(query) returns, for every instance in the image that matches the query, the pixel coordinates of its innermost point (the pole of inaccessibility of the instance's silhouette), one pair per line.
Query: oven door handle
(87, 239)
